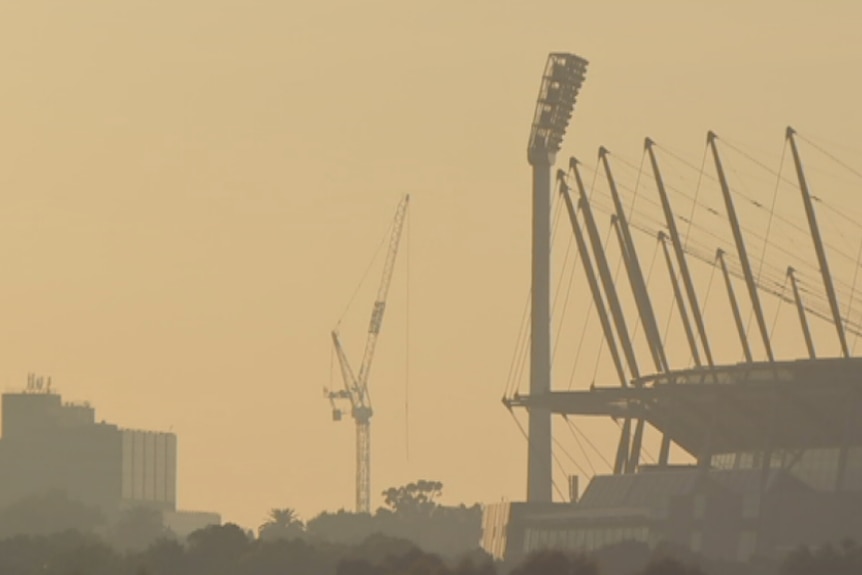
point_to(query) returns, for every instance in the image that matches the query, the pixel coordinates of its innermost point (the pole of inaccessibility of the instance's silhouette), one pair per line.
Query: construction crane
(355, 391)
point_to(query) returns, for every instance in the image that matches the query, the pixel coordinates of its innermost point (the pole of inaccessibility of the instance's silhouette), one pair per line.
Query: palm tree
(281, 524)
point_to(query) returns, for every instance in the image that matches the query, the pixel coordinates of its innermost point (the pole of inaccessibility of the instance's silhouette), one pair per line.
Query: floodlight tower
(564, 74)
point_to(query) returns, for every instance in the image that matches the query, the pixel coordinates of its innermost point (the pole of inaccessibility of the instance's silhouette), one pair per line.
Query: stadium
(768, 449)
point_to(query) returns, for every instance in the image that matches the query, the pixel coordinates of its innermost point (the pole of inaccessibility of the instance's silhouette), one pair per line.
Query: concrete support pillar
(539, 463)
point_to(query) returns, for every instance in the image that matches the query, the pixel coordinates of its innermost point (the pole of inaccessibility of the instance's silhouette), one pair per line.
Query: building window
(818, 468)
(529, 538)
(723, 460)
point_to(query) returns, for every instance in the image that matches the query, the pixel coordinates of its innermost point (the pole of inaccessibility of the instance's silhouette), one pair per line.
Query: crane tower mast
(355, 390)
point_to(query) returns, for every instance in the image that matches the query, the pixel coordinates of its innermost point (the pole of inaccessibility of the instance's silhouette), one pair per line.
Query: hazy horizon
(191, 192)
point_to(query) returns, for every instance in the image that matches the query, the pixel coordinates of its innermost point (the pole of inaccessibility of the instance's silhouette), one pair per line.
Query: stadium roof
(744, 407)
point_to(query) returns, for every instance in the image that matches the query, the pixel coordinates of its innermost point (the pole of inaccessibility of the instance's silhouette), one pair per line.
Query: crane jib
(376, 317)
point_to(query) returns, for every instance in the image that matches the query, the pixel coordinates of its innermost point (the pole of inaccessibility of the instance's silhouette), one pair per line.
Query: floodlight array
(563, 77)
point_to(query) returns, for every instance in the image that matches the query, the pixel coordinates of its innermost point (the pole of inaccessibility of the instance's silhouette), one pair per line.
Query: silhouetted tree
(228, 550)
(627, 557)
(281, 524)
(474, 564)
(217, 548)
(379, 548)
(287, 556)
(828, 560)
(356, 567)
(415, 497)
(163, 557)
(138, 528)
(73, 553)
(411, 513)
(556, 563)
(670, 566)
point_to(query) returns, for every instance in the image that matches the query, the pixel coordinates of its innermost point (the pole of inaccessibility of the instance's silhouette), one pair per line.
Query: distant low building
(49, 445)
(183, 523)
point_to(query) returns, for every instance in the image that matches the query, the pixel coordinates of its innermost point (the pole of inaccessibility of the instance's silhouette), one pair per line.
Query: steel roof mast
(734, 306)
(750, 282)
(595, 291)
(818, 243)
(356, 387)
(619, 222)
(680, 256)
(608, 331)
(678, 298)
(633, 269)
(800, 310)
(616, 312)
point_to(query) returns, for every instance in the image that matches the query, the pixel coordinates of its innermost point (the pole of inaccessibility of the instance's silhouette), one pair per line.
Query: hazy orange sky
(190, 192)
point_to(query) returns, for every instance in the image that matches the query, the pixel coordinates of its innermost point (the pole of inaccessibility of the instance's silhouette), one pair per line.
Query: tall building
(48, 445)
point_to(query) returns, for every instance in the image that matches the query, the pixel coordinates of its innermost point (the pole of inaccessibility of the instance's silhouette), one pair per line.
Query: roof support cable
(778, 307)
(648, 278)
(643, 450)
(556, 459)
(581, 344)
(570, 457)
(559, 287)
(569, 287)
(771, 211)
(589, 443)
(708, 291)
(853, 287)
(511, 378)
(602, 342)
(696, 195)
(518, 357)
(855, 339)
(565, 304)
(580, 445)
(637, 184)
(831, 156)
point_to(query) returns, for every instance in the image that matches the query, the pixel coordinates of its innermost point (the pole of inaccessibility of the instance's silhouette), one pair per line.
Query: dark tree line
(412, 535)
(410, 512)
(231, 550)
(827, 560)
(224, 550)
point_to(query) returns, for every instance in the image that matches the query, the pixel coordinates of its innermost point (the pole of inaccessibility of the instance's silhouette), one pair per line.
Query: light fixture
(563, 77)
